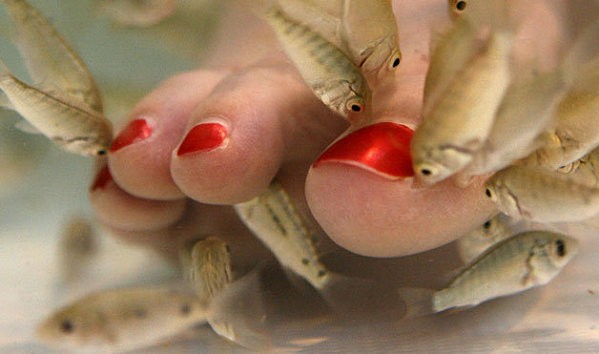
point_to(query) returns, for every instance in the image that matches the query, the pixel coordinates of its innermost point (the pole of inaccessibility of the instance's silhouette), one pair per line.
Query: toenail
(102, 179)
(203, 137)
(382, 148)
(136, 131)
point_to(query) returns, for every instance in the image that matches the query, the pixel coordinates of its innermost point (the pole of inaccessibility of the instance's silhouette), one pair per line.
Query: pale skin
(276, 125)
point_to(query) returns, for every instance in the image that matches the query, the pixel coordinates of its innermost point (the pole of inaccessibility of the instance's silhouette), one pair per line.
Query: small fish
(138, 13)
(69, 124)
(207, 267)
(275, 221)
(576, 131)
(541, 195)
(525, 112)
(331, 75)
(373, 48)
(524, 261)
(76, 247)
(121, 320)
(477, 241)
(457, 122)
(50, 60)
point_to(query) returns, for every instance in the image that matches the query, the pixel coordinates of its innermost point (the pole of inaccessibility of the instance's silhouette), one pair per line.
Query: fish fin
(237, 313)
(26, 127)
(418, 301)
(582, 54)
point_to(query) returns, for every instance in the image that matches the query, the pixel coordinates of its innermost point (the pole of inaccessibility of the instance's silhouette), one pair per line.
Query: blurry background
(43, 187)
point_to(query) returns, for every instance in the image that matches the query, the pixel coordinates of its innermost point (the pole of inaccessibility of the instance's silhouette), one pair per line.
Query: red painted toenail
(382, 148)
(137, 130)
(203, 137)
(102, 179)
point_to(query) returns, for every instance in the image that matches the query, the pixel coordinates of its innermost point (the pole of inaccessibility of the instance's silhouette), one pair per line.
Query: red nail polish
(102, 179)
(203, 137)
(382, 148)
(137, 130)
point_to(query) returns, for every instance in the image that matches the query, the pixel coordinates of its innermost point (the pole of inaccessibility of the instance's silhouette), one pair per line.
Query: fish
(275, 221)
(138, 13)
(121, 319)
(527, 260)
(526, 111)
(51, 61)
(575, 133)
(77, 246)
(207, 267)
(329, 73)
(538, 194)
(457, 121)
(480, 239)
(374, 49)
(68, 123)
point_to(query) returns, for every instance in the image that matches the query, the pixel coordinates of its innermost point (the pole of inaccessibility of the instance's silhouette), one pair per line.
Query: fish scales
(49, 59)
(275, 221)
(462, 117)
(326, 69)
(75, 128)
(542, 195)
(516, 264)
(122, 319)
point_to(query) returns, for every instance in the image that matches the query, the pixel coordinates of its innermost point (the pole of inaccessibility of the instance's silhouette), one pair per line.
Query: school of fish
(476, 120)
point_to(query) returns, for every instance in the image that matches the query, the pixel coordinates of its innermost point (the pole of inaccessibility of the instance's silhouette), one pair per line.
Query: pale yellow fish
(276, 222)
(138, 13)
(121, 319)
(522, 262)
(460, 121)
(525, 112)
(331, 75)
(576, 132)
(373, 48)
(456, 123)
(480, 239)
(207, 267)
(77, 246)
(69, 124)
(541, 195)
(50, 60)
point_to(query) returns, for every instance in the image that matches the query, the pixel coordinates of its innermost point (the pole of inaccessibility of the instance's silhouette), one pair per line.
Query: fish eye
(460, 5)
(101, 152)
(355, 105)
(488, 192)
(560, 248)
(394, 61)
(487, 225)
(185, 309)
(426, 172)
(66, 326)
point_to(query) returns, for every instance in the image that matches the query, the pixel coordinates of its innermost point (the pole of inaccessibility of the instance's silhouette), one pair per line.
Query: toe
(251, 123)
(139, 157)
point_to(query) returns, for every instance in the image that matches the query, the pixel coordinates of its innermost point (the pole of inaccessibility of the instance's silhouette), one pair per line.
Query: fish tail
(418, 301)
(584, 52)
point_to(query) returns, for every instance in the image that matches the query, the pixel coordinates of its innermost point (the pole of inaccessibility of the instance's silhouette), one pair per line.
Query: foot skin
(210, 138)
